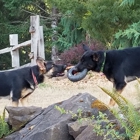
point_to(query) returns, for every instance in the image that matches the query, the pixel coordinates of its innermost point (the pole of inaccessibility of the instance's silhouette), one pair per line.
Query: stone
(60, 120)
(19, 116)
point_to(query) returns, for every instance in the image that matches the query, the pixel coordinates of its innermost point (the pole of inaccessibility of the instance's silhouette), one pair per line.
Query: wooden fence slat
(6, 50)
(41, 51)
(15, 59)
(26, 43)
(13, 38)
(34, 22)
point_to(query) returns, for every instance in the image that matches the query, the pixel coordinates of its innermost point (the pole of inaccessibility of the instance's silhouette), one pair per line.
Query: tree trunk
(54, 55)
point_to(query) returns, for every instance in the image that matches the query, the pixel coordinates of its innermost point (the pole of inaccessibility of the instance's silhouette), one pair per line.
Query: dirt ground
(58, 89)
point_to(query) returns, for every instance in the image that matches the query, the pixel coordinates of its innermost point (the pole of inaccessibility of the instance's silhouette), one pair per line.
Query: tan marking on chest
(25, 92)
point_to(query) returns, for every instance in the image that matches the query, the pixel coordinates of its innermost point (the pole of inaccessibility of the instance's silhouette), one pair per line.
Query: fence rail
(36, 43)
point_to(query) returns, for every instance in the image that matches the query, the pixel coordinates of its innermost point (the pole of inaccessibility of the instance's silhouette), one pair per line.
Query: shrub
(73, 55)
(4, 127)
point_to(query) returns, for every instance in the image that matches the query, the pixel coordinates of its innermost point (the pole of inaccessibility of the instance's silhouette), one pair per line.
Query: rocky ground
(58, 89)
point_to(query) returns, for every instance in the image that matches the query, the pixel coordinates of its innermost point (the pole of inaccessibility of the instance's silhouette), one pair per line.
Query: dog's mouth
(74, 72)
(51, 73)
(60, 74)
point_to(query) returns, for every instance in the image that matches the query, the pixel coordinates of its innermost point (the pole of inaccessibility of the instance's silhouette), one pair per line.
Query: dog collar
(34, 78)
(102, 67)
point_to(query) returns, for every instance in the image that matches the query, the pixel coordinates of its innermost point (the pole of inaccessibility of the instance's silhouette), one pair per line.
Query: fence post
(41, 50)
(34, 30)
(14, 54)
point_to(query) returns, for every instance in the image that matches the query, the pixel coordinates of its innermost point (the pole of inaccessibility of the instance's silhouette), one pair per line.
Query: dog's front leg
(24, 96)
(112, 102)
(24, 101)
(115, 91)
(15, 103)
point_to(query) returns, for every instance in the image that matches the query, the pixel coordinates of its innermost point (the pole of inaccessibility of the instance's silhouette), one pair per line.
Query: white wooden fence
(36, 43)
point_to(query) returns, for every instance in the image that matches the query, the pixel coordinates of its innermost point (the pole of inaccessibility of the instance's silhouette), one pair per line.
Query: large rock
(52, 125)
(88, 134)
(19, 116)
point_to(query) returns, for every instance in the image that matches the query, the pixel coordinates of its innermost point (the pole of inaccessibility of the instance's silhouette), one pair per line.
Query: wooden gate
(36, 43)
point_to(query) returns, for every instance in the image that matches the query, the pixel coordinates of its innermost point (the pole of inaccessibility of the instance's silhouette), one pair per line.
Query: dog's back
(123, 61)
(11, 79)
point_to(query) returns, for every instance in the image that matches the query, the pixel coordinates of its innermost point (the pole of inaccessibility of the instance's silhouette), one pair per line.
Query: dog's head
(88, 61)
(56, 70)
(49, 68)
(91, 60)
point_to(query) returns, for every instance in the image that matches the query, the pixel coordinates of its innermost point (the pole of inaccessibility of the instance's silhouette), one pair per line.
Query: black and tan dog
(20, 83)
(119, 66)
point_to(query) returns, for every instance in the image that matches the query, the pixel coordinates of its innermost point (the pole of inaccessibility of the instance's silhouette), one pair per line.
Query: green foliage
(42, 85)
(4, 128)
(127, 2)
(77, 115)
(129, 37)
(101, 18)
(71, 34)
(62, 110)
(131, 121)
(136, 135)
(106, 132)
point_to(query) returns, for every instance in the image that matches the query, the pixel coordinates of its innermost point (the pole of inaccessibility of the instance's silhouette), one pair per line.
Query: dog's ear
(86, 48)
(41, 64)
(40, 59)
(96, 56)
